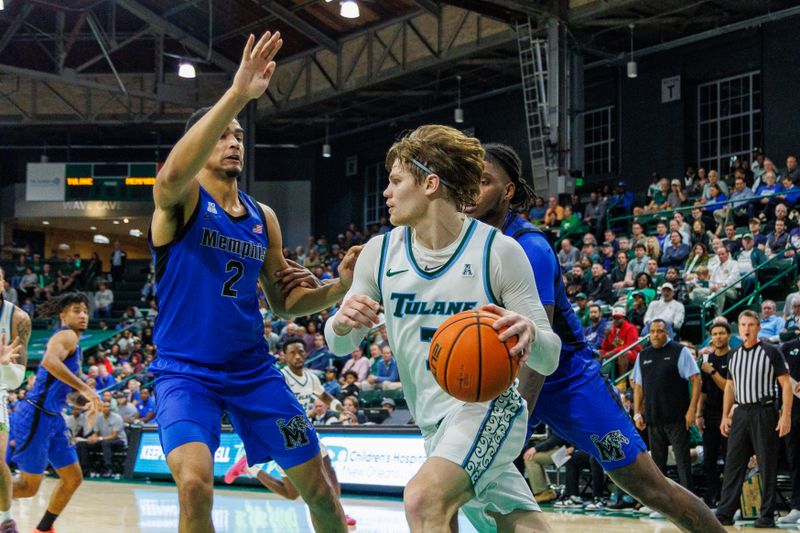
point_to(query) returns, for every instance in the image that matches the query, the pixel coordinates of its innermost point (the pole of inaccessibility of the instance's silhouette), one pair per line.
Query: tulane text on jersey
(408, 305)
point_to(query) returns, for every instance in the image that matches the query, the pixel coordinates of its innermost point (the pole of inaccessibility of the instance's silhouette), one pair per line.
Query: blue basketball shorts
(584, 408)
(39, 438)
(190, 401)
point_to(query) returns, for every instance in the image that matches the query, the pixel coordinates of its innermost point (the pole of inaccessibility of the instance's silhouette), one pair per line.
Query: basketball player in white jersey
(306, 387)
(436, 263)
(14, 324)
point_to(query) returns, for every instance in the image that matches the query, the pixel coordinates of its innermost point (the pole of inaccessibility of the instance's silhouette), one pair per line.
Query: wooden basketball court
(153, 508)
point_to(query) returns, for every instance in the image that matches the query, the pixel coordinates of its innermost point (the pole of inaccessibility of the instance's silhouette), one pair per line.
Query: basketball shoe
(239, 468)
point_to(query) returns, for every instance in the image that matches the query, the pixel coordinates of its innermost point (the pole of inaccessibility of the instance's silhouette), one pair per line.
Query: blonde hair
(453, 156)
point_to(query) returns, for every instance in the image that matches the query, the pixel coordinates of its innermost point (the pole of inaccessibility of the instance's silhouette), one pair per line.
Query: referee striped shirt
(754, 372)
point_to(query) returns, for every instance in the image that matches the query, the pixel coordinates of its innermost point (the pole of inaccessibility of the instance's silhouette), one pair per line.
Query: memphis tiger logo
(294, 432)
(610, 446)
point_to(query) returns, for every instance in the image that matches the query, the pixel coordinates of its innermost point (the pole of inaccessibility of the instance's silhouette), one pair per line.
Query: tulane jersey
(417, 301)
(206, 282)
(550, 285)
(49, 393)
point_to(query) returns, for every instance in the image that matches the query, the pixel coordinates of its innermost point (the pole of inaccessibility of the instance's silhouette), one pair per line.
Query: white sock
(254, 470)
(5, 515)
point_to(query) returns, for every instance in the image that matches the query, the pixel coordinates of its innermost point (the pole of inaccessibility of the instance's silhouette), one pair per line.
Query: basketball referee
(754, 425)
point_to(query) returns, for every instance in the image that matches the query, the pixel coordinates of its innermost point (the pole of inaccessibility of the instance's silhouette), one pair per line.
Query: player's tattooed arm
(23, 331)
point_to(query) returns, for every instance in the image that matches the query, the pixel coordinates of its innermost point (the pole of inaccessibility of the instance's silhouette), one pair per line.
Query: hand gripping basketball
(514, 325)
(469, 359)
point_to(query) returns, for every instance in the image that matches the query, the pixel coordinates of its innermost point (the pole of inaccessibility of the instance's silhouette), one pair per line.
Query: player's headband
(427, 170)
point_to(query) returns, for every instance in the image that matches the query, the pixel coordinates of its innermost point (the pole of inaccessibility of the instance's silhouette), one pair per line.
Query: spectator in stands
(741, 206)
(637, 234)
(621, 335)
(714, 373)
(713, 181)
(320, 356)
(107, 435)
(596, 330)
(349, 384)
(730, 241)
(771, 324)
(621, 202)
(537, 212)
(358, 364)
(554, 213)
(352, 415)
(146, 406)
(594, 212)
(791, 326)
(104, 379)
(699, 234)
(790, 299)
(152, 311)
(28, 284)
(46, 283)
(387, 377)
(661, 398)
(760, 238)
(619, 271)
(777, 240)
(699, 258)
(9, 292)
(637, 310)
(653, 249)
(583, 308)
(660, 197)
(570, 223)
(394, 418)
(754, 426)
(781, 213)
(607, 257)
(125, 409)
(666, 308)
(103, 300)
(791, 170)
(577, 281)
(536, 458)
(132, 318)
(677, 196)
(119, 260)
(699, 285)
(321, 415)
(716, 199)
(149, 288)
(676, 252)
(271, 336)
(673, 275)
(637, 265)
(331, 382)
(600, 290)
(770, 186)
(791, 193)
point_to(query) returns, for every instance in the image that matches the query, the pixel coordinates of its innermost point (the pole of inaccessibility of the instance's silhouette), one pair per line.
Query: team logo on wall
(610, 446)
(294, 432)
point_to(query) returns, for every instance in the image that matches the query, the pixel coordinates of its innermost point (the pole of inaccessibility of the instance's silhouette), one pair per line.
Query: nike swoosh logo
(389, 272)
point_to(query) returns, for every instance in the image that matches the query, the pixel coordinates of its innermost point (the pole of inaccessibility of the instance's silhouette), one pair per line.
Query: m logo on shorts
(610, 446)
(294, 432)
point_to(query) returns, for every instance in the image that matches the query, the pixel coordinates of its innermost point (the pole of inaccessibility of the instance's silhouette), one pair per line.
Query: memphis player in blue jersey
(212, 245)
(37, 426)
(576, 401)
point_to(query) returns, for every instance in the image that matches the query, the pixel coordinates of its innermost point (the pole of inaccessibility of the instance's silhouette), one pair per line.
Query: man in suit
(118, 260)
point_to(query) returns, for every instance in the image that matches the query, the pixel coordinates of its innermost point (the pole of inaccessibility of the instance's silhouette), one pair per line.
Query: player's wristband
(637, 416)
(336, 405)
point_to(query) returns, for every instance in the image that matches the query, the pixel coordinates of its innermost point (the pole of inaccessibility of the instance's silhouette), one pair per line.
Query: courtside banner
(371, 458)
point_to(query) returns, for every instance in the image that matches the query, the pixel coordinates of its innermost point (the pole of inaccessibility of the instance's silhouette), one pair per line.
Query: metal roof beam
(161, 25)
(430, 6)
(16, 24)
(597, 8)
(299, 24)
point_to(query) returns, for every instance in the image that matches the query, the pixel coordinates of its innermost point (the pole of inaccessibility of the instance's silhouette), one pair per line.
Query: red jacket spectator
(621, 335)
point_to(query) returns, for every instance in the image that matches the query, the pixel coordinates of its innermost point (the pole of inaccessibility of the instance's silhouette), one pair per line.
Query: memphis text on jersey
(213, 239)
(408, 305)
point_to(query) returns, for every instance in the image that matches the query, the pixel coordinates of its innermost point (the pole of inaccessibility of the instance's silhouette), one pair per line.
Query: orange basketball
(468, 360)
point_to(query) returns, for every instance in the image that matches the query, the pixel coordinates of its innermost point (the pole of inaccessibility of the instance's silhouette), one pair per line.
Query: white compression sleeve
(11, 375)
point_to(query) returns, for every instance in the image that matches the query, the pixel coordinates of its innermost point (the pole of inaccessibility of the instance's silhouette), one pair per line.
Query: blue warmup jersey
(206, 282)
(576, 401)
(37, 427)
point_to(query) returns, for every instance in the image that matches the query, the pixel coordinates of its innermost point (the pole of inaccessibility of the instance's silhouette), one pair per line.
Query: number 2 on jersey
(238, 268)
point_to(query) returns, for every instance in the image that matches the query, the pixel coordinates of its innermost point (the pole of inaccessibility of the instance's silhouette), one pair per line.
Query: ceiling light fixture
(633, 69)
(2, 5)
(186, 70)
(458, 116)
(326, 148)
(349, 9)
(46, 222)
(101, 239)
(116, 221)
(125, 220)
(92, 228)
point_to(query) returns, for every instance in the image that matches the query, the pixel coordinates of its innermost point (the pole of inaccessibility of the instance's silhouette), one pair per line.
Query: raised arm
(175, 180)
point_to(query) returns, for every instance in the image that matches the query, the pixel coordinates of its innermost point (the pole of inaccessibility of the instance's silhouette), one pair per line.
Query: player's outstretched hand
(518, 326)
(257, 66)
(348, 266)
(9, 352)
(296, 276)
(94, 407)
(358, 311)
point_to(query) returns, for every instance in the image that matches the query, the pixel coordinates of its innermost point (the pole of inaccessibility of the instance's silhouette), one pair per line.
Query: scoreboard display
(131, 182)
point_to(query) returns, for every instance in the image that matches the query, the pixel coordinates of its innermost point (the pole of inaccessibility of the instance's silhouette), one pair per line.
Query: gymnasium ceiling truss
(97, 64)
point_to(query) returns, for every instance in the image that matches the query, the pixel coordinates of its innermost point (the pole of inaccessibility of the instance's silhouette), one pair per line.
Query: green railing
(609, 366)
(746, 299)
(667, 213)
